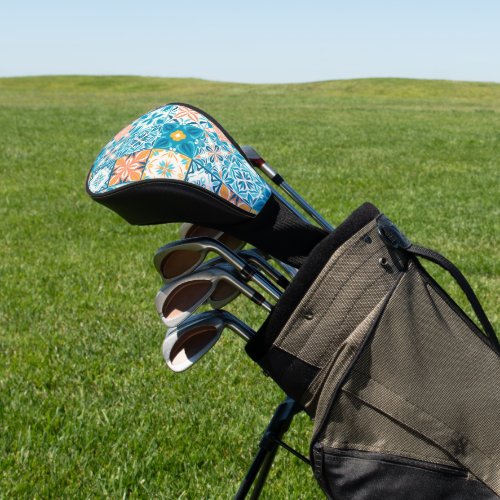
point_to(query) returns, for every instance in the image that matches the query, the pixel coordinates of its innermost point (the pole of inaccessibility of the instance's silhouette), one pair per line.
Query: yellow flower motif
(178, 135)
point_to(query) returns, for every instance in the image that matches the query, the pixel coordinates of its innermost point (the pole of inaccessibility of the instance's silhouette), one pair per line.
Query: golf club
(188, 230)
(180, 257)
(224, 292)
(259, 162)
(180, 298)
(290, 270)
(187, 343)
(257, 258)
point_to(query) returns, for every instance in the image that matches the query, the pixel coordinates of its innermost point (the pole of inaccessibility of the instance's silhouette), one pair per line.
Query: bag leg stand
(268, 447)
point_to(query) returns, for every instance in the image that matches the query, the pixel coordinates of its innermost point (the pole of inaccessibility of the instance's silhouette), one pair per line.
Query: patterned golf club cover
(178, 143)
(177, 164)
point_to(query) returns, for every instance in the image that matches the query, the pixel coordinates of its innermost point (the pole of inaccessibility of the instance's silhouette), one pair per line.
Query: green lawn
(87, 406)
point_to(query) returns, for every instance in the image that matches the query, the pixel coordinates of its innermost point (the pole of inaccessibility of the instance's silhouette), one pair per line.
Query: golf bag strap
(442, 261)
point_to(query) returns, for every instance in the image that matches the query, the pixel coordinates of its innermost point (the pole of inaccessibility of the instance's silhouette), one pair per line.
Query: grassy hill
(87, 407)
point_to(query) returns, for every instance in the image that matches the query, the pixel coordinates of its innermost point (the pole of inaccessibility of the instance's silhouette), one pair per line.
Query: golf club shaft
(290, 270)
(256, 298)
(303, 203)
(190, 292)
(189, 230)
(266, 285)
(259, 162)
(206, 245)
(244, 332)
(249, 292)
(238, 326)
(191, 336)
(256, 258)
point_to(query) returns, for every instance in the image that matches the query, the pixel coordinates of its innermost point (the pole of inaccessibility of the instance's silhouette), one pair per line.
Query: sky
(253, 41)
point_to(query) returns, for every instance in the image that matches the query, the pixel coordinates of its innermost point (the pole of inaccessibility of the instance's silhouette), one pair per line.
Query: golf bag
(403, 387)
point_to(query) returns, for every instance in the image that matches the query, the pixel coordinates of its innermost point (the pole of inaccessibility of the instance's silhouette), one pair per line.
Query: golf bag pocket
(401, 384)
(348, 474)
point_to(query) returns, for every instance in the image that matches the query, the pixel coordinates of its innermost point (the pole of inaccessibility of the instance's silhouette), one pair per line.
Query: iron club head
(178, 299)
(179, 258)
(187, 343)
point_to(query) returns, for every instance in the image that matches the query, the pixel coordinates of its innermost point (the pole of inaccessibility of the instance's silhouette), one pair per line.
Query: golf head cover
(177, 164)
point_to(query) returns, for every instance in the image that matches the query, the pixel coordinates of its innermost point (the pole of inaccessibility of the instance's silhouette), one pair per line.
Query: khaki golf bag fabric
(404, 389)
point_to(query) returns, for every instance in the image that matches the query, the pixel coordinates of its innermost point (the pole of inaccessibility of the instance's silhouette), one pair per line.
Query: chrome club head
(178, 299)
(179, 258)
(185, 344)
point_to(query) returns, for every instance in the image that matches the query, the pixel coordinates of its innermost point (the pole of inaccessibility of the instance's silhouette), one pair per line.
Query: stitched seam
(413, 405)
(335, 259)
(329, 400)
(325, 369)
(449, 476)
(403, 453)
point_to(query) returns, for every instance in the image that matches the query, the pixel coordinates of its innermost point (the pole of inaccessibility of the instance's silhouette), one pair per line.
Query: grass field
(87, 406)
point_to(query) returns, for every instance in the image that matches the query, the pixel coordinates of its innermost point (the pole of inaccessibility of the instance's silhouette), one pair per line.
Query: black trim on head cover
(312, 266)
(163, 201)
(275, 230)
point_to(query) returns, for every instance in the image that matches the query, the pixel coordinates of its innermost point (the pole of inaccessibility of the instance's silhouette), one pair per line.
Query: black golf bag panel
(401, 384)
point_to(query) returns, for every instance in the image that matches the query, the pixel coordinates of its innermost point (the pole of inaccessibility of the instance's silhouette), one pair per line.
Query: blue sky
(253, 41)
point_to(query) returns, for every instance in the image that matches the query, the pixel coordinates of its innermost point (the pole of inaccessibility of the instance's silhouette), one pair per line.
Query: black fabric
(161, 201)
(439, 259)
(299, 374)
(278, 231)
(318, 258)
(359, 475)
